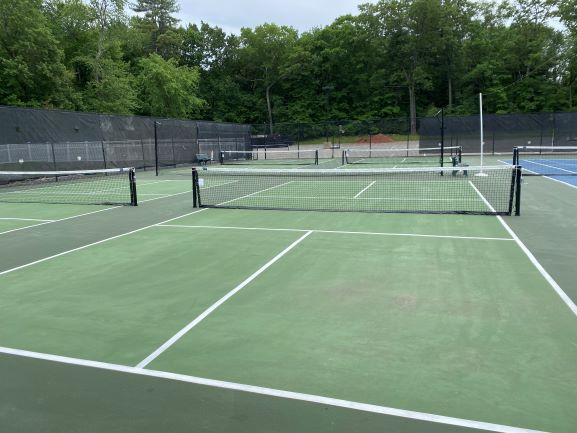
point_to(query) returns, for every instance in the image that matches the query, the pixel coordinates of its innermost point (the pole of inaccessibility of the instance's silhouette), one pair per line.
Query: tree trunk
(269, 108)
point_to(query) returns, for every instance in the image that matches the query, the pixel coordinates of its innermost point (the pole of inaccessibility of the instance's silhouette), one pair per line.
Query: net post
(519, 179)
(195, 189)
(460, 154)
(132, 179)
(516, 156)
(316, 157)
(344, 157)
(221, 157)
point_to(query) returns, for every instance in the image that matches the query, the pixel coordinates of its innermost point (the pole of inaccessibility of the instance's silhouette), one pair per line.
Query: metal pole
(156, 146)
(481, 124)
(481, 173)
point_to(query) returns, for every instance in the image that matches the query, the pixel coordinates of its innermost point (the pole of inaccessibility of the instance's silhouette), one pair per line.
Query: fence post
(173, 154)
(143, 156)
(53, 156)
(103, 154)
(156, 146)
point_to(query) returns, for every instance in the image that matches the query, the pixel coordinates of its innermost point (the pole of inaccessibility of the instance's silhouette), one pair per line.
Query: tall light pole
(327, 91)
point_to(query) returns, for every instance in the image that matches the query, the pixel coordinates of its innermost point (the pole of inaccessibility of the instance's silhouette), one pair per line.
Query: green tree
(31, 63)
(168, 90)
(158, 22)
(115, 92)
(264, 58)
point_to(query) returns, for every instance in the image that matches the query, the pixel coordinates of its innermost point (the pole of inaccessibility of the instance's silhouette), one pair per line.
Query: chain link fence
(32, 139)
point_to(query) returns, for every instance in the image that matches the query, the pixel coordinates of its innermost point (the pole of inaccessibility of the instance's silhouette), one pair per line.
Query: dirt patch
(376, 139)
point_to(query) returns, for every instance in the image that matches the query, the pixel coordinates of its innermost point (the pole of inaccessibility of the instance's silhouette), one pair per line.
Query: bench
(203, 158)
(461, 167)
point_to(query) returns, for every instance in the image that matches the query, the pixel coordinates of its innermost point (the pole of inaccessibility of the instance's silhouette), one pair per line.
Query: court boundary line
(89, 213)
(544, 176)
(478, 238)
(549, 166)
(54, 256)
(172, 340)
(270, 392)
(546, 275)
(560, 181)
(26, 219)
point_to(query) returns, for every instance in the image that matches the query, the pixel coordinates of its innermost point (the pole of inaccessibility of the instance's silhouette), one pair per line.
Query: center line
(217, 304)
(359, 194)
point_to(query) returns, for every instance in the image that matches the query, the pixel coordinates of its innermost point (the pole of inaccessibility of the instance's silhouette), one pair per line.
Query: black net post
(516, 156)
(195, 189)
(132, 179)
(519, 178)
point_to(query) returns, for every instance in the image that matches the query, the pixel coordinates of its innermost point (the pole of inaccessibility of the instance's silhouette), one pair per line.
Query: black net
(265, 156)
(471, 190)
(103, 187)
(400, 156)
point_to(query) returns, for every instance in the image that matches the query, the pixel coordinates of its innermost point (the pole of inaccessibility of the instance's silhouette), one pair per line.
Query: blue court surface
(560, 170)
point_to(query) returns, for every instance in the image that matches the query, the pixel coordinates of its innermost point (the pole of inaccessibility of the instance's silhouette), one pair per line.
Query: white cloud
(231, 15)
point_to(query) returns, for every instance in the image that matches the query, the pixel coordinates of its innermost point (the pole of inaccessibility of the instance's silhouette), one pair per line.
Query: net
(398, 157)
(547, 160)
(404, 190)
(105, 187)
(270, 157)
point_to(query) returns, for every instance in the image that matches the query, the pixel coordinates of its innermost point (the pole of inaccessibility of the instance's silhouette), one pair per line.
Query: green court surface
(163, 317)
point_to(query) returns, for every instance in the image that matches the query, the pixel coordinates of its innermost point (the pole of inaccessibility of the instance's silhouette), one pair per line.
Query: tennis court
(165, 317)
(558, 163)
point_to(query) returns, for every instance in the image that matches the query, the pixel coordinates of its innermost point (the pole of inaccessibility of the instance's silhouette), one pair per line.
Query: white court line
(320, 197)
(560, 181)
(254, 193)
(361, 193)
(26, 219)
(270, 392)
(338, 232)
(217, 304)
(566, 299)
(95, 243)
(90, 213)
(59, 220)
(547, 165)
(546, 177)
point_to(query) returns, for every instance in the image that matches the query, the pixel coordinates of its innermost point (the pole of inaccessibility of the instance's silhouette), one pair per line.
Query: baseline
(270, 392)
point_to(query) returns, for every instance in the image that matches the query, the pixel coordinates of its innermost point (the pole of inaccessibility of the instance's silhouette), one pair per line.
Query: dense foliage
(392, 59)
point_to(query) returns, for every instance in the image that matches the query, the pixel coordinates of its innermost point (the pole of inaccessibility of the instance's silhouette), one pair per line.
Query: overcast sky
(231, 15)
